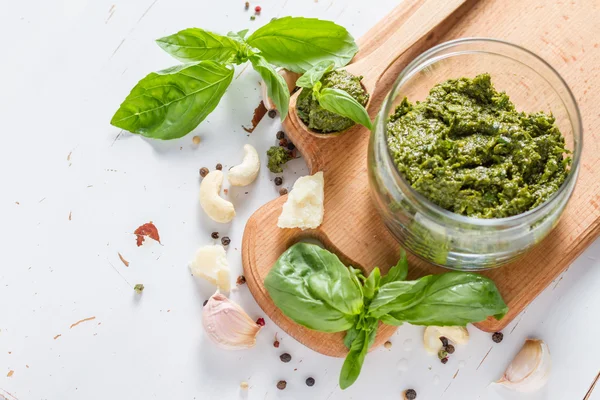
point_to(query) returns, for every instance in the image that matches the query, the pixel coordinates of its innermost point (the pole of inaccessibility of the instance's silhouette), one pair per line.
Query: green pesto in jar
(320, 120)
(467, 149)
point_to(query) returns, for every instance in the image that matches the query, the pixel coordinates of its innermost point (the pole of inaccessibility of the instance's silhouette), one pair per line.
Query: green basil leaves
(310, 78)
(339, 102)
(169, 104)
(312, 287)
(298, 44)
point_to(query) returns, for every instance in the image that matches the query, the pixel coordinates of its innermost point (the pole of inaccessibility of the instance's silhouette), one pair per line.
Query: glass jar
(445, 238)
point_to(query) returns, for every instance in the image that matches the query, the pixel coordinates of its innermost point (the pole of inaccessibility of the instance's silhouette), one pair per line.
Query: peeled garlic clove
(530, 368)
(227, 324)
(432, 335)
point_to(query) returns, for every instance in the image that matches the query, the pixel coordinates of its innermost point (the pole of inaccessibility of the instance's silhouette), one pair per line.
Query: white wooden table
(73, 190)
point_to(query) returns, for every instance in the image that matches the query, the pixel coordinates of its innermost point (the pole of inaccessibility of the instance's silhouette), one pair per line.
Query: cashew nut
(216, 207)
(246, 172)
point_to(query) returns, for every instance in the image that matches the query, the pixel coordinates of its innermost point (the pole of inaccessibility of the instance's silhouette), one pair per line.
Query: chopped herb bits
(139, 288)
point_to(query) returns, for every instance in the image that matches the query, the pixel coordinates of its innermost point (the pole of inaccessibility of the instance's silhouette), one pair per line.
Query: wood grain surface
(564, 34)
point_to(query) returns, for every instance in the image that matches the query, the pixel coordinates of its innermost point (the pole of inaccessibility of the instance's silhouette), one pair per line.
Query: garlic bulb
(227, 324)
(530, 368)
(432, 335)
(290, 79)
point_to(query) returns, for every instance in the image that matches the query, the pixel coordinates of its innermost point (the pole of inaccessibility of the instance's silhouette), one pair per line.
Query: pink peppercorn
(257, 9)
(260, 321)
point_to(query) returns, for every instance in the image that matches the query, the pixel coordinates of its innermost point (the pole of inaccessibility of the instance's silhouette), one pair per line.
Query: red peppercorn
(260, 321)
(257, 9)
(276, 343)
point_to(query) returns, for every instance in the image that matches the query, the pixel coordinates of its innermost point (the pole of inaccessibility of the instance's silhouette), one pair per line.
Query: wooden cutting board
(564, 33)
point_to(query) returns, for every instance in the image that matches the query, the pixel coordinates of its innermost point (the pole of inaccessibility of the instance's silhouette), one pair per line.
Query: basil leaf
(311, 286)
(388, 319)
(170, 103)
(453, 298)
(195, 44)
(356, 357)
(277, 88)
(340, 102)
(238, 35)
(351, 335)
(314, 75)
(398, 295)
(372, 284)
(397, 272)
(298, 44)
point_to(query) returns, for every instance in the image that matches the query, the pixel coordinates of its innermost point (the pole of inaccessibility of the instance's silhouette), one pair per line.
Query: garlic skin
(530, 369)
(228, 325)
(455, 334)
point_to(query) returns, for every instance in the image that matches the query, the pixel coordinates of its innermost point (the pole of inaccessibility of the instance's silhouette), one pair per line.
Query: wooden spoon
(351, 228)
(426, 17)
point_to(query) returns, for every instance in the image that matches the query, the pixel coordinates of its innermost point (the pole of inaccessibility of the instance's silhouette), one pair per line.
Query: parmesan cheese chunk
(304, 206)
(211, 264)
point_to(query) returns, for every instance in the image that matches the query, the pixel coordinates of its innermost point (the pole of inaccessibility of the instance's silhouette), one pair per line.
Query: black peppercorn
(444, 360)
(410, 394)
(214, 235)
(219, 167)
(283, 142)
(272, 113)
(278, 181)
(285, 357)
(444, 341)
(310, 381)
(450, 349)
(225, 240)
(240, 280)
(281, 385)
(497, 337)
(203, 171)
(291, 146)
(205, 301)
(246, 5)
(280, 135)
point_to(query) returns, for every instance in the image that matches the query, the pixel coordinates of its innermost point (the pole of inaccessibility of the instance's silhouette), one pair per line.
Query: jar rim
(463, 219)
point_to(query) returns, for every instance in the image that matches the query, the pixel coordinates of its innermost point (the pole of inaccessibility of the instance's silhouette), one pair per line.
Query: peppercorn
(246, 5)
(257, 9)
(272, 113)
(442, 354)
(387, 345)
(497, 337)
(225, 240)
(278, 181)
(244, 385)
(410, 394)
(214, 235)
(444, 360)
(260, 321)
(283, 142)
(450, 349)
(310, 381)
(283, 191)
(281, 385)
(203, 171)
(240, 280)
(252, 18)
(285, 357)
(291, 146)
(196, 140)
(219, 167)
(280, 135)
(205, 301)
(276, 343)
(444, 341)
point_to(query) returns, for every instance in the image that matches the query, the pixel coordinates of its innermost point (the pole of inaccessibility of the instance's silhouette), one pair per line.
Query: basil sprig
(334, 100)
(312, 287)
(169, 104)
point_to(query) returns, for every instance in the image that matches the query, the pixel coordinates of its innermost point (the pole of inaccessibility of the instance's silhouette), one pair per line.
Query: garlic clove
(455, 334)
(227, 324)
(530, 369)
(290, 79)
(210, 263)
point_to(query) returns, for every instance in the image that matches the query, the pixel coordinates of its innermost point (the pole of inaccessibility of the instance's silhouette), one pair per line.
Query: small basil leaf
(340, 102)
(170, 103)
(453, 298)
(356, 357)
(351, 335)
(311, 286)
(397, 272)
(298, 44)
(195, 44)
(312, 76)
(277, 88)
(238, 35)
(388, 319)
(398, 295)
(372, 284)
